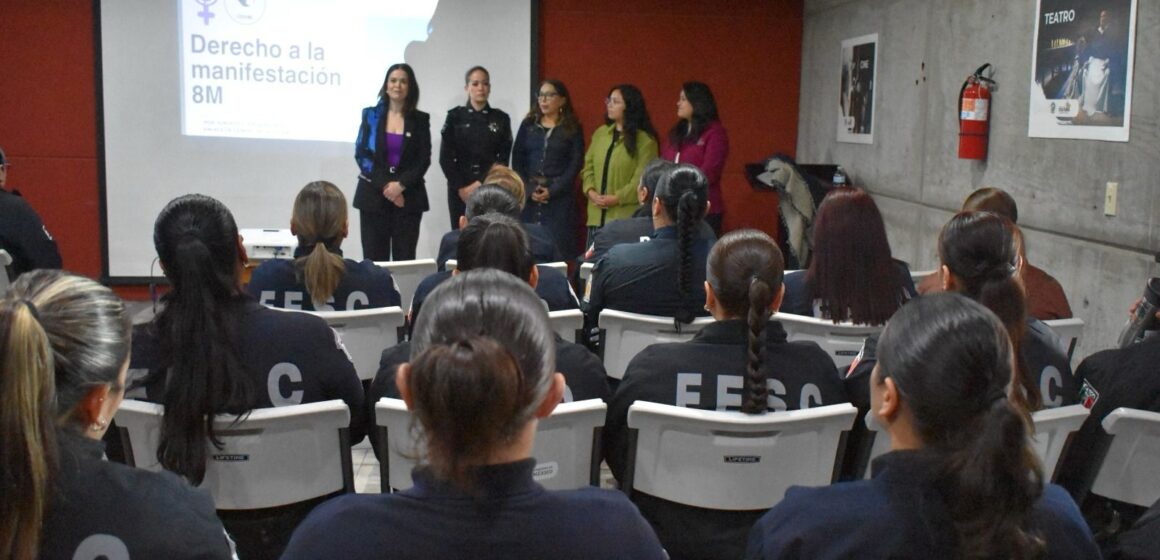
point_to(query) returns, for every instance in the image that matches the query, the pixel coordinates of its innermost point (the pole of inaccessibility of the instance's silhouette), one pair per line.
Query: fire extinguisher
(974, 112)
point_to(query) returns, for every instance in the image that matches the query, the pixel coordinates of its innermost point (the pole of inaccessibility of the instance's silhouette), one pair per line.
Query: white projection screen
(248, 100)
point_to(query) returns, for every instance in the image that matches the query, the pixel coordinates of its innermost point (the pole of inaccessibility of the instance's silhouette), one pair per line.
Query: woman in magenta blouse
(699, 139)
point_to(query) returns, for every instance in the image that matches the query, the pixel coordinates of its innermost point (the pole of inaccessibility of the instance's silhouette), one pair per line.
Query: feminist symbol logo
(205, 14)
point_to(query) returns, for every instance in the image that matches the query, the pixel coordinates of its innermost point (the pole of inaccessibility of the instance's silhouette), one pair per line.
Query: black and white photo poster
(1081, 69)
(856, 99)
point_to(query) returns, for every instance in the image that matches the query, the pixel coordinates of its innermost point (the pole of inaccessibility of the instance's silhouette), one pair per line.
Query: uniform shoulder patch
(1088, 395)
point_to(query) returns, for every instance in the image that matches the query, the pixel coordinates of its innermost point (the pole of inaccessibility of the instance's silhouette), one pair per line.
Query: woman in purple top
(699, 139)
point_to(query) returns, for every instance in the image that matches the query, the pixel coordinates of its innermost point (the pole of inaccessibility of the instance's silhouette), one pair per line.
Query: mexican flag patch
(1088, 395)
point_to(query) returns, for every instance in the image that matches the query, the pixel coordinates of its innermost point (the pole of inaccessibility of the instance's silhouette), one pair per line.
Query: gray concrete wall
(926, 49)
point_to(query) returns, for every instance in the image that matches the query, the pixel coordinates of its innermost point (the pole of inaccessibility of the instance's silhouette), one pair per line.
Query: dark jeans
(389, 236)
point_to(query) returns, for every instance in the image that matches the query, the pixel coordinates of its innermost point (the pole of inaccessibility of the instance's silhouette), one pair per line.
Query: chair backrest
(626, 334)
(566, 448)
(1069, 332)
(407, 276)
(1053, 426)
(5, 260)
(917, 276)
(567, 322)
(560, 266)
(586, 270)
(730, 460)
(842, 341)
(1128, 473)
(273, 457)
(365, 333)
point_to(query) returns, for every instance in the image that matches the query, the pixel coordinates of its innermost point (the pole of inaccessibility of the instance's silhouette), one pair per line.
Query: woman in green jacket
(616, 157)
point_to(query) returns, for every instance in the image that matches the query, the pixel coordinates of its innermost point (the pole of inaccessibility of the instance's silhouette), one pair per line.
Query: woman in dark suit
(393, 152)
(548, 154)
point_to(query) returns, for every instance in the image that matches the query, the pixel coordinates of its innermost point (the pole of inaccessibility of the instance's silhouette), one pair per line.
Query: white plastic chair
(917, 276)
(407, 276)
(560, 266)
(1128, 473)
(1053, 426)
(842, 342)
(5, 260)
(365, 333)
(567, 322)
(629, 333)
(273, 457)
(730, 460)
(566, 448)
(586, 270)
(1069, 333)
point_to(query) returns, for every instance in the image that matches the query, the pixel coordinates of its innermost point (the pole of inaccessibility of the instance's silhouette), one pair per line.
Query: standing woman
(548, 153)
(393, 152)
(64, 349)
(616, 157)
(475, 137)
(700, 139)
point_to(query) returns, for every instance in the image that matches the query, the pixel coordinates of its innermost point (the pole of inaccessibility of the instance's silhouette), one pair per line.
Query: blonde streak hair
(27, 387)
(506, 177)
(319, 216)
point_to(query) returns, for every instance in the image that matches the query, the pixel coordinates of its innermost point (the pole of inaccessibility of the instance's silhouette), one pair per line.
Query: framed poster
(856, 98)
(1081, 69)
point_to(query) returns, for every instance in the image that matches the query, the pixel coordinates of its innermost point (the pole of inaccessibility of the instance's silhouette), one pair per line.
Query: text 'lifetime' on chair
(731, 460)
(272, 457)
(566, 449)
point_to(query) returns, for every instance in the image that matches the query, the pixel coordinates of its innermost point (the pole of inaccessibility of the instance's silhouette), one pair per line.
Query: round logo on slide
(246, 12)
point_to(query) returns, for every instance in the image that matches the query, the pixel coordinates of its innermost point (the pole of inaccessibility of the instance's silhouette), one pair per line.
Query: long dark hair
(704, 112)
(950, 359)
(61, 335)
(980, 250)
(198, 329)
(568, 121)
(635, 116)
(745, 271)
(851, 271)
(483, 357)
(411, 102)
(495, 241)
(683, 192)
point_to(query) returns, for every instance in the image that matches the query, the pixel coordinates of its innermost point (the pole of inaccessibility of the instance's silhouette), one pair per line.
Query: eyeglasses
(548, 95)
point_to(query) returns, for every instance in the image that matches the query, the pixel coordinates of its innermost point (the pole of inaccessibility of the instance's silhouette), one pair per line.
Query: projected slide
(288, 69)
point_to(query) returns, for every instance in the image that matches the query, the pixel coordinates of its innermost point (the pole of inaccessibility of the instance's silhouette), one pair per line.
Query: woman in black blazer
(393, 152)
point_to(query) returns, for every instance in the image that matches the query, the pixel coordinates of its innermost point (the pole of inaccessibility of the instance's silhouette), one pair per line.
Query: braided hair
(745, 272)
(684, 193)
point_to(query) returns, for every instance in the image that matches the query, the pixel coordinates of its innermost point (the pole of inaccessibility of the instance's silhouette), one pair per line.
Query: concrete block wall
(926, 49)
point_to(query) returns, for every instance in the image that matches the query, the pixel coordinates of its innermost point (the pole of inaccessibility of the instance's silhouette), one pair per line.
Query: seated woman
(319, 279)
(639, 277)
(851, 276)
(962, 480)
(64, 349)
(481, 374)
(744, 350)
(213, 350)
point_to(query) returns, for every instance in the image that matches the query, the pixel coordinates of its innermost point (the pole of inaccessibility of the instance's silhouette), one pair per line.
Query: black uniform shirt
(1049, 365)
(708, 373)
(24, 236)
(553, 288)
(472, 142)
(642, 277)
(544, 249)
(363, 285)
(107, 510)
(293, 358)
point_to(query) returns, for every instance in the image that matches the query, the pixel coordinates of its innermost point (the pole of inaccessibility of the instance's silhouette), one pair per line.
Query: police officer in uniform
(475, 137)
(22, 233)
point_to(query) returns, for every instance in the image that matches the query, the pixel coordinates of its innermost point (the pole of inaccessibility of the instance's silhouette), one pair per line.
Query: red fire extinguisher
(974, 112)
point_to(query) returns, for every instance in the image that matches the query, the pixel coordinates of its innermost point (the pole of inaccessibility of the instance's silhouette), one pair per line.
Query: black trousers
(455, 208)
(389, 236)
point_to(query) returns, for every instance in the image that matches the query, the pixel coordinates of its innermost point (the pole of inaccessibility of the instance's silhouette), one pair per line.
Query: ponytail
(28, 448)
(686, 212)
(991, 480)
(198, 331)
(683, 192)
(755, 392)
(950, 359)
(321, 271)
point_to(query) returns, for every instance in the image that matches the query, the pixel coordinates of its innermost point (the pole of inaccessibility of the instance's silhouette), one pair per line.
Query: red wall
(749, 52)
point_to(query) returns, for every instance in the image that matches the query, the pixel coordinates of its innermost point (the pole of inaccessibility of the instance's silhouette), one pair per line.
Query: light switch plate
(1110, 199)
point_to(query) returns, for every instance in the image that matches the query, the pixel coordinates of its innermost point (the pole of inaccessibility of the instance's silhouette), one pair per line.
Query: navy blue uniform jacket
(363, 285)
